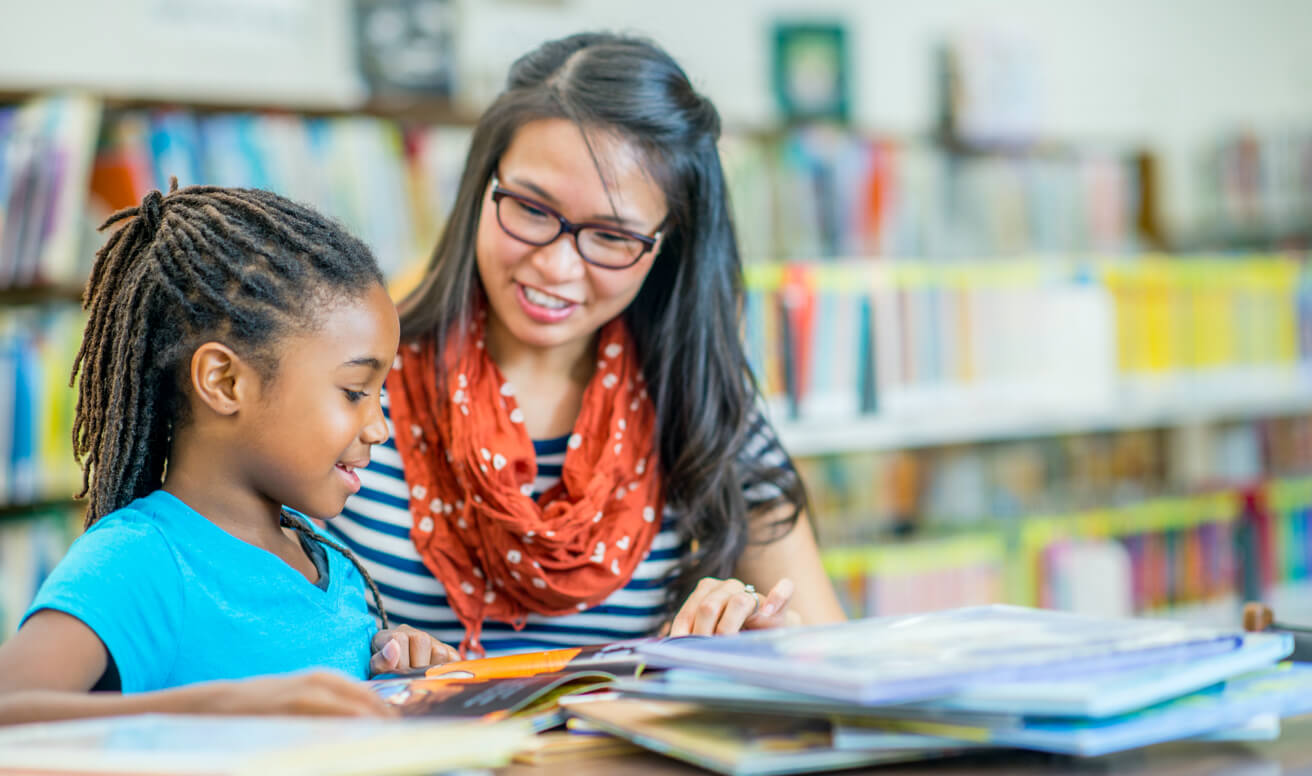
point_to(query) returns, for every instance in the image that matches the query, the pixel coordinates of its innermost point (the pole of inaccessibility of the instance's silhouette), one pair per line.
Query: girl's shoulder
(126, 544)
(136, 521)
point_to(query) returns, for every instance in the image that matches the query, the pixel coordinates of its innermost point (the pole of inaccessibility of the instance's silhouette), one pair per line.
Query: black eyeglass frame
(569, 227)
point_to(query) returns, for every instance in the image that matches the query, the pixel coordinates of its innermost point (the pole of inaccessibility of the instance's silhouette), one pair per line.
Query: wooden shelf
(18, 511)
(1131, 410)
(40, 295)
(418, 108)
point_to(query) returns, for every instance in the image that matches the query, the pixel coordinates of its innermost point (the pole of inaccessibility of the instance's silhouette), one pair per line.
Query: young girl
(230, 372)
(578, 453)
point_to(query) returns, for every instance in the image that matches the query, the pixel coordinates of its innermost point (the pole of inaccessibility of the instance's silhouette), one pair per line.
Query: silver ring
(756, 599)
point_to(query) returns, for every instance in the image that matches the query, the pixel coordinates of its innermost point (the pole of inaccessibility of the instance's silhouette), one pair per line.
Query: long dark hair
(685, 319)
(240, 266)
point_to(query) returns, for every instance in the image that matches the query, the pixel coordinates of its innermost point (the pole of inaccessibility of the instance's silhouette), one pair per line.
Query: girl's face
(313, 424)
(548, 298)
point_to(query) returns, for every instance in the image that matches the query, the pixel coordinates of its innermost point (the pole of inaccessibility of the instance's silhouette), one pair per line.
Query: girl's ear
(220, 379)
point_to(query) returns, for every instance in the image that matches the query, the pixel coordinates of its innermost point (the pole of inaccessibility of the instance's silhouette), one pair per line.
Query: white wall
(295, 53)
(1171, 74)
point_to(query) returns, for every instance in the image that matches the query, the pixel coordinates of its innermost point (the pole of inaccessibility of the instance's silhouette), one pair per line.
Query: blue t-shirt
(177, 600)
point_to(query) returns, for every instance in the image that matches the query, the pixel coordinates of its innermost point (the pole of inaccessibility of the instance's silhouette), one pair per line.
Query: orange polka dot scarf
(470, 465)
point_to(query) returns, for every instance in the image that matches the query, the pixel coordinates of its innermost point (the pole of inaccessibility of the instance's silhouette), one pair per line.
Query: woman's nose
(560, 261)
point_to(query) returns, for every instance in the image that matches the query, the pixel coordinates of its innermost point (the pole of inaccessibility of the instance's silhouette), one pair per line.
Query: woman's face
(548, 298)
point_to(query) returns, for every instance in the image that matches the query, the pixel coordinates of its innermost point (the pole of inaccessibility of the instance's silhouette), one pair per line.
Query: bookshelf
(883, 355)
(1063, 225)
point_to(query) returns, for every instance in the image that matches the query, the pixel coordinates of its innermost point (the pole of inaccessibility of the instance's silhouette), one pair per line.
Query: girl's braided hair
(204, 263)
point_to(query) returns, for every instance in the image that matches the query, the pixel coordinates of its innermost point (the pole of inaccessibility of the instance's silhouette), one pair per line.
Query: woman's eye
(614, 238)
(353, 396)
(531, 211)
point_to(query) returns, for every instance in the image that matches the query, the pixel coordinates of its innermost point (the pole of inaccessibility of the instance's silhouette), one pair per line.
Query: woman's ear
(220, 379)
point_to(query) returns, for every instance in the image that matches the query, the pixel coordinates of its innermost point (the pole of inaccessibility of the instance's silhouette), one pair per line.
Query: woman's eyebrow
(537, 190)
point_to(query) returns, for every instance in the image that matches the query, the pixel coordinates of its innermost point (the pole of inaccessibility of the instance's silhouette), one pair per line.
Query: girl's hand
(316, 694)
(722, 606)
(403, 648)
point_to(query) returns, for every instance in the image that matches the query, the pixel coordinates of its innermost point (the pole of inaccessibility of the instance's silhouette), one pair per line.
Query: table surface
(1291, 754)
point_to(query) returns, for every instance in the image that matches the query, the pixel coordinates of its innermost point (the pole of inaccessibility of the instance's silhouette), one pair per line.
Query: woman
(578, 454)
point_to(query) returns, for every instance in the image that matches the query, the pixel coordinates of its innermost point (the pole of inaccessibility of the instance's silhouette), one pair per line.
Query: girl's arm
(48, 667)
(794, 587)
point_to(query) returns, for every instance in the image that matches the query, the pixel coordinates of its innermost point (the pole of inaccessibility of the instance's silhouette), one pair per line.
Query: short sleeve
(766, 466)
(121, 578)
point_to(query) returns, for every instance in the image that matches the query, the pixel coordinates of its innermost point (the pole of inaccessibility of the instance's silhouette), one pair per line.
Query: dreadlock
(204, 263)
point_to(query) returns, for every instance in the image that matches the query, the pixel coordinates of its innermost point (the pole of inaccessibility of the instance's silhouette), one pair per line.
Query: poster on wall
(407, 47)
(811, 71)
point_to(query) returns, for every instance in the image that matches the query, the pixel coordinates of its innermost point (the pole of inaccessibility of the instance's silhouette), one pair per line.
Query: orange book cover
(497, 687)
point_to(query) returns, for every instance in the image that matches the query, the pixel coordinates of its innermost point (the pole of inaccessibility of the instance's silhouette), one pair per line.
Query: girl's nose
(375, 431)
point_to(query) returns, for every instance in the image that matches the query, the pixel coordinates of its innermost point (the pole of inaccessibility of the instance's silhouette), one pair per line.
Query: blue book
(1284, 690)
(888, 660)
(175, 147)
(22, 452)
(1104, 694)
(1094, 695)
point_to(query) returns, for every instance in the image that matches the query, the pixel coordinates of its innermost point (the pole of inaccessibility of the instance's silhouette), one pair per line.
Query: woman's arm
(788, 568)
(793, 556)
(47, 668)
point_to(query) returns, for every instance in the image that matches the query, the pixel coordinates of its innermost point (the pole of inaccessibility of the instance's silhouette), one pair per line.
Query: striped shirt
(376, 522)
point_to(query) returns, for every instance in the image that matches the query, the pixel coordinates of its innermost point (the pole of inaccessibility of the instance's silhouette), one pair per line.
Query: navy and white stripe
(375, 525)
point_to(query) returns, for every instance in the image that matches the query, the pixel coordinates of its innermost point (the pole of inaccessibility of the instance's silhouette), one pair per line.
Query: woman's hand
(403, 648)
(722, 606)
(316, 694)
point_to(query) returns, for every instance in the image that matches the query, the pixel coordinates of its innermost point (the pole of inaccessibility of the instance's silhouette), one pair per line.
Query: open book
(191, 744)
(527, 685)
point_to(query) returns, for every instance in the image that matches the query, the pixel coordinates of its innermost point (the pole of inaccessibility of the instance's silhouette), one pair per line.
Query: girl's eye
(354, 396)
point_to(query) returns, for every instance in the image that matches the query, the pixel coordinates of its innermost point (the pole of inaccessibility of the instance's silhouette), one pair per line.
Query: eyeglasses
(532, 222)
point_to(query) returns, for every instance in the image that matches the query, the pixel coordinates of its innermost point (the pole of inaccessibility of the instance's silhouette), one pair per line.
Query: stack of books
(935, 685)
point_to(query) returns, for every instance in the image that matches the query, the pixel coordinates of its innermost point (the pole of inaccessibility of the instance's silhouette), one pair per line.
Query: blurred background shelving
(1034, 317)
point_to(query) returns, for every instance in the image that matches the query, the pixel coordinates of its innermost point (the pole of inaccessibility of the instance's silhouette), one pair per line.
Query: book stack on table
(934, 685)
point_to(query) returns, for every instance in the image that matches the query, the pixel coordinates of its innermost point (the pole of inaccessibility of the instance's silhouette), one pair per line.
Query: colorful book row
(1153, 556)
(902, 339)
(1258, 187)
(821, 192)
(390, 184)
(37, 347)
(46, 148)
